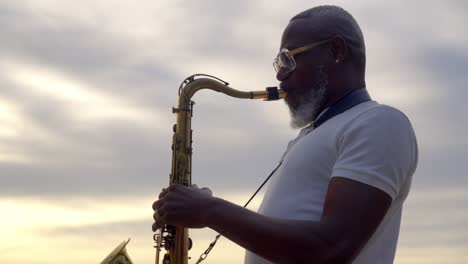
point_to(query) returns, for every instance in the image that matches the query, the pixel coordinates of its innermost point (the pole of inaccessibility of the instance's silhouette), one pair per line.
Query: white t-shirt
(369, 143)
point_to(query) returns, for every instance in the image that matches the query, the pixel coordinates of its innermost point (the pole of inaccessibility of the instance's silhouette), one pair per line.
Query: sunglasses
(285, 62)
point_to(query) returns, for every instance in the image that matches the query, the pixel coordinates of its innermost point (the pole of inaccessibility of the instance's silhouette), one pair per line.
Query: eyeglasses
(285, 62)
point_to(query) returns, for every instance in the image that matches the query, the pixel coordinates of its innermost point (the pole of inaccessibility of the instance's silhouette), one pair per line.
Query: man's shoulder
(375, 113)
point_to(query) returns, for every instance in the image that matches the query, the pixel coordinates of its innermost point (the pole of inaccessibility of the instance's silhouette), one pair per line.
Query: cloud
(116, 76)
(69, 83)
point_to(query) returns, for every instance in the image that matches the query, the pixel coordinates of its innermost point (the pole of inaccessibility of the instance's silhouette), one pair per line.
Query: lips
(289, 100)
(283, 86)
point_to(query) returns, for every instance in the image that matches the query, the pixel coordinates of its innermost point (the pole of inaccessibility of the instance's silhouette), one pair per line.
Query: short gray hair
(329, 21)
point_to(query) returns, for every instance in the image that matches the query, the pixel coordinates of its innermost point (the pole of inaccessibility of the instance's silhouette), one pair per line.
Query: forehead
(298, 32)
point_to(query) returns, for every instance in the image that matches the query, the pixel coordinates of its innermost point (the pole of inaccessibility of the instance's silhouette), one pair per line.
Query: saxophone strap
(212, 244)
(349, 101)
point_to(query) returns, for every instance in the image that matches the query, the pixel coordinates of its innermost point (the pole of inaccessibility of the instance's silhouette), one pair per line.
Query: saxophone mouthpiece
(273, 93)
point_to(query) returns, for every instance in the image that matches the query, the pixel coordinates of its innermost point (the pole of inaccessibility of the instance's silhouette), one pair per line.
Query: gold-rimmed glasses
(285, 62)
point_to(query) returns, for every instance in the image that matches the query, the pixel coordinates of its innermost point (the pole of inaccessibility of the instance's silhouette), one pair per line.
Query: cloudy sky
(85, 117)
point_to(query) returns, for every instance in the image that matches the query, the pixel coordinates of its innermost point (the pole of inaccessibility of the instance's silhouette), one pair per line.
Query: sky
(87, 89)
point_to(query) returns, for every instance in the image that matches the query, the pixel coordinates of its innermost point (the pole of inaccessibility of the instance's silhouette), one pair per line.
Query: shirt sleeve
(378, 148)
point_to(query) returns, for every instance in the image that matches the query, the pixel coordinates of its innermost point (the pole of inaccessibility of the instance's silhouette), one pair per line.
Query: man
(337, 195)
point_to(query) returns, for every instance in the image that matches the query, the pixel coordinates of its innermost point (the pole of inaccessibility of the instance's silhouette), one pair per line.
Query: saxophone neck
(192, 84)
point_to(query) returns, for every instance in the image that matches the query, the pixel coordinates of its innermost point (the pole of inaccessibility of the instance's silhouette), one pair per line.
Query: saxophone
(175, 240)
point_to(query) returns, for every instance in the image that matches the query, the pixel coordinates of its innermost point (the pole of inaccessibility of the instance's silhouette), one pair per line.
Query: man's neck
(338, 91)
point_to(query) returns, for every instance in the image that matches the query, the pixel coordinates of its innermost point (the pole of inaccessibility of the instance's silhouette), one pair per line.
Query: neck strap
(347, 102)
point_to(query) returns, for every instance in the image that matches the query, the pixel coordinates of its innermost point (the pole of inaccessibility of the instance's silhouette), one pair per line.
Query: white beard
(308, 108)
(310, 104)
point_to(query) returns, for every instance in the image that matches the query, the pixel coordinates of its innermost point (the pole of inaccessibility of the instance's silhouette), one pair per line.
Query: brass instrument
(175, 240)
(119, 255)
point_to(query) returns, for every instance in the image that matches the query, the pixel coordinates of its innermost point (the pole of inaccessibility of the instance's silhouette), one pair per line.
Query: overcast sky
(85, 116)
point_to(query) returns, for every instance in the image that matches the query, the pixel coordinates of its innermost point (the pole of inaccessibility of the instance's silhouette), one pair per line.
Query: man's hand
(180, 205)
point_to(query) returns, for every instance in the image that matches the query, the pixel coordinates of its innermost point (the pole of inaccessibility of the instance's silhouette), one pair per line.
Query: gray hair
(328, 21)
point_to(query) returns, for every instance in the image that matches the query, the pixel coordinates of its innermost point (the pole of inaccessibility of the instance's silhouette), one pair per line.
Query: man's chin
(299, 122)
(294, 125)
(305, 113)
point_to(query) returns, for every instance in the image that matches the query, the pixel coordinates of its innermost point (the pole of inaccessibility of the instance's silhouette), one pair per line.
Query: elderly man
(337, 195)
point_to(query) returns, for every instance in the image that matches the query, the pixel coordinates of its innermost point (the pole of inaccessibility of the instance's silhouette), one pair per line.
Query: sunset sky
(86, 94)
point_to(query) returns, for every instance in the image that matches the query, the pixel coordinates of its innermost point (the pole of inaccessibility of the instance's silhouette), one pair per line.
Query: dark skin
(352, 210)
(344, 77)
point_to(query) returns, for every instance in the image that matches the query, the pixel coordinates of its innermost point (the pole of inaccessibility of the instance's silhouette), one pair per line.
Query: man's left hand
(181, 205)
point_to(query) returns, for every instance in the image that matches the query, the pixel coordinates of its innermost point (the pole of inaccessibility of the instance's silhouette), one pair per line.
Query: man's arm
(352, 212)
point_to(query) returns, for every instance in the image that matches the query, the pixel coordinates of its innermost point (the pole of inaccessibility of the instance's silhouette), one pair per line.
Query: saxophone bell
(119, 255)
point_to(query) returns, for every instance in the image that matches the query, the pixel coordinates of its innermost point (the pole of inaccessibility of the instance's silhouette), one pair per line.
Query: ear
(339, 49)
